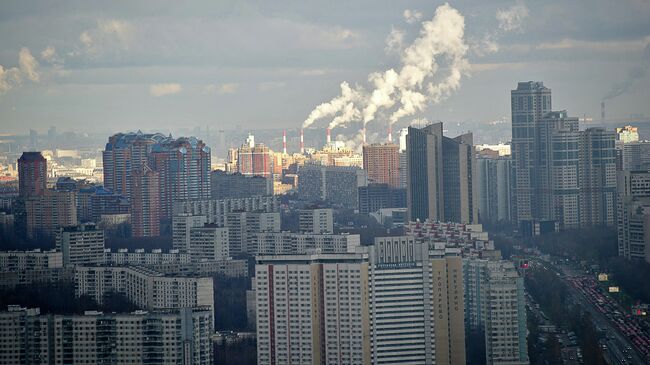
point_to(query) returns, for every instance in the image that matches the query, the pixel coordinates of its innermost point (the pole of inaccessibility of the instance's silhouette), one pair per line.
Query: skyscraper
(597, 177)
(441, 173)
(494, 177)
(381, 162)
(145, 202)
(529, 103)
(32, 174)
(562, 174)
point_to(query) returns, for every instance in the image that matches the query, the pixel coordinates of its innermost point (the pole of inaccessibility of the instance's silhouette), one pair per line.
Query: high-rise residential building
(441, 173)
(635, 155)
(494, 178)
(530, 102)
(226, 185)
(181, 225)
(381, 162)
(241, 225)
(81, 245)
(176, 263)
(317, 221)
(184, 168)
(597, 177)
(634, 215)
(416, 303)
(335, 184)
(379, 196)
(145, 202)
(215, 210)
(495, 305)
(289, 243)
(32, 174)
(312, 309)
(104, 202)
(48, 212)
(180, 336)
(562, 174)
(556, 184)
(183, 165)
(123, 153)
(145, 288)
(311, 182)
(208, 243)
(255, 160)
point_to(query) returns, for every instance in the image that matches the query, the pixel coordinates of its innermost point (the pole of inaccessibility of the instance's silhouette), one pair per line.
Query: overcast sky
(97, 65)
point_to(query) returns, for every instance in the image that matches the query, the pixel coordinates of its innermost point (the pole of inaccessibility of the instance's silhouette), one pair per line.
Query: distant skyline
(95, 66)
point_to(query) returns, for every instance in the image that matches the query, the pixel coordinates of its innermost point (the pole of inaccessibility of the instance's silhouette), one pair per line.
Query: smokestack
(390, 133)
(602, 113)
(329, 136)
(302, 141)
(284, 142)
(363, 134)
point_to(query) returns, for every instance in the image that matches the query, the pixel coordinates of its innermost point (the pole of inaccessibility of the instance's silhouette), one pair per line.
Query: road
(617, 344)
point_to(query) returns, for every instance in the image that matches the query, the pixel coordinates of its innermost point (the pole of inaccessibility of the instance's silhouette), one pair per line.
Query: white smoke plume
(633, 76)
(28, 68)
(335, 106)
(411, 88)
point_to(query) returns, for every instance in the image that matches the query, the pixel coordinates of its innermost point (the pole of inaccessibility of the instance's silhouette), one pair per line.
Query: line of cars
(636, 330)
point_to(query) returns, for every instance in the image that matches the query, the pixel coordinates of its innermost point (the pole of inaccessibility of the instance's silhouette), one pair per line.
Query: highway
(619, 348)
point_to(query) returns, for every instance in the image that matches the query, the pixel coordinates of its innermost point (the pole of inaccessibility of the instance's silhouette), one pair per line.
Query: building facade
(46, 213)
(317, 221)
(633, 224)
(146, 288)
(495, 305)
(312, 309)
(529, 103)
(381, 162)
(32, 174)
(379, 196)
(81, 245)
(494, 178)
(289, 243)
(145, 202)
(441, 173)
(180, 336)
(416, 303)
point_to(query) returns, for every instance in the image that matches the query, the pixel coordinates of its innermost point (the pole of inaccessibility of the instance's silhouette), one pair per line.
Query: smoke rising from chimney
(412, 88)
(633, 75)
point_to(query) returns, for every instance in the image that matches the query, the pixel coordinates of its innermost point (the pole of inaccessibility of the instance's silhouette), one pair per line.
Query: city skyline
(128, 64)
(242, 182)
